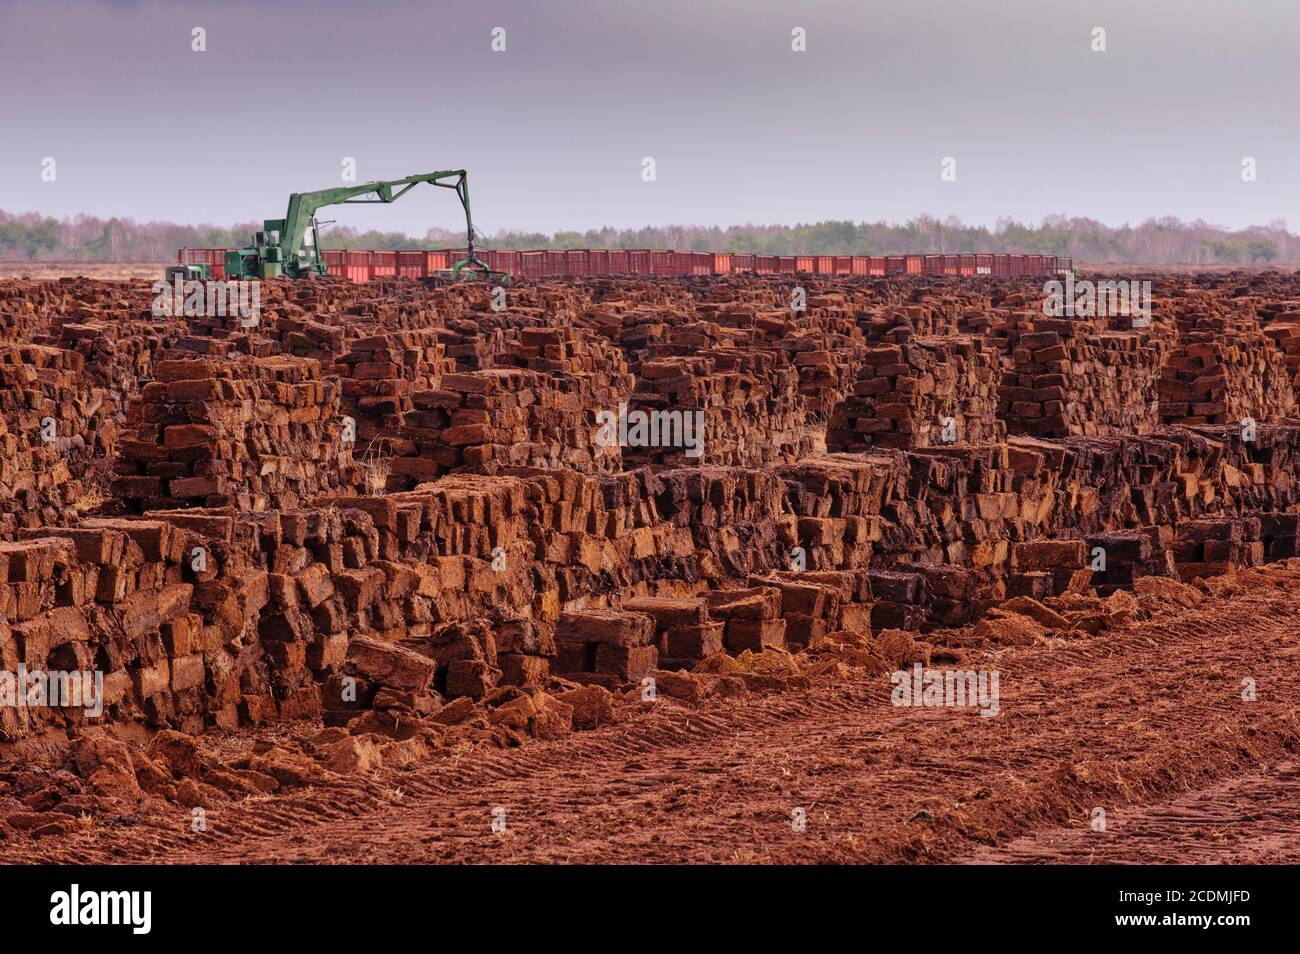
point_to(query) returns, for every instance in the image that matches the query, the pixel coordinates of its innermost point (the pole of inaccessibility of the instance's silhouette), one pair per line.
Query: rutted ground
(1147, 721)
(1252, 818)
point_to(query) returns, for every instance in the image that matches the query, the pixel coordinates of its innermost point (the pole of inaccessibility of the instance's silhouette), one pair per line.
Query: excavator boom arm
(304, 205)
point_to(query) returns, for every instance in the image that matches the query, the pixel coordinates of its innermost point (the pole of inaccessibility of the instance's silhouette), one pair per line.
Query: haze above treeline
(32, 237)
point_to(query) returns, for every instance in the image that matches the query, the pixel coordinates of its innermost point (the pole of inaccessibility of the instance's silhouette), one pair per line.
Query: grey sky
(742, 129)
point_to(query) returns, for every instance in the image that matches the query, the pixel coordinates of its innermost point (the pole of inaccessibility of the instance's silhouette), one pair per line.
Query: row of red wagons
(363, 266)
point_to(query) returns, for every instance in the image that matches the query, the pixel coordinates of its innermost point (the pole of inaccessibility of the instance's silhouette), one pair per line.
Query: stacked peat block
(914, 318)
(25, 304)
(954, 595)
(962, 506)
(118, 350)
(956, 506)
(1129, 555)
(465, 657)
(900, 600)
(827, 366)
(1212, 379)
(30, 310)
(486, 420)
(1112, 483)
(107, 598)
(1282, 327)
(607, 647)
(1280, 534)
(751, 617)
(233, 327)
(815, 603)
(380, 672)
(342, 304)
(639, 333)
(255, 672)
(835, 510)
(830, 307)
(677, 391)
(710, 523)
(683, 632)
(564, 351)
(347, 594)
(325, 585)
(1172, 474)
(255, 433)
(447, 571)
(380, 371)
(741, 405)
(1066, 382)
(55, 434)
(1255, 476)
(574, 534)
(380, 589)
(43, 628)
(507, 416)
(580, 374)
(473, 538)
(1049, 568)
(819, 374)
(919, 393)
(472, 345)
(823, 346)
(1212, 547)
(379, 374)
(525, 649)
(309, 338)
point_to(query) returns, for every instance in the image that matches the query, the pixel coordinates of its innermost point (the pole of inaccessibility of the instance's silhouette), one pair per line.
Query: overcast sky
(741, 127)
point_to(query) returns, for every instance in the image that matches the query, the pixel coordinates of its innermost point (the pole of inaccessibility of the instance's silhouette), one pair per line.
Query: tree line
(85, 238)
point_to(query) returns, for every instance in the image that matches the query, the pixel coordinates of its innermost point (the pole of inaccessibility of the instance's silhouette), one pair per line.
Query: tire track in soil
(1147, 722)
(1248, 819)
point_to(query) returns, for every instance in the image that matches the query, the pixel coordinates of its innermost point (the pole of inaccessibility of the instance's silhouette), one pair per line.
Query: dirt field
(102, 270)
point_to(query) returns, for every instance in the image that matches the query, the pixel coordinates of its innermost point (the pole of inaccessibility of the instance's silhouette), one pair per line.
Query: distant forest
(85, 238)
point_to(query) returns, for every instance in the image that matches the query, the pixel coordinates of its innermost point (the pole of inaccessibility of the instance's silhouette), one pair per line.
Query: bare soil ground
(108, 271)
(1146, 722)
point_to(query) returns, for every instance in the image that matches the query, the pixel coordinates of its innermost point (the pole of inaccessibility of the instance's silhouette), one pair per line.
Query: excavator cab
(263, 259)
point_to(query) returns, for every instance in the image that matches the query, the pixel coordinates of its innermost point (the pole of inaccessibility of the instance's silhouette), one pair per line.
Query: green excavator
(291, 245)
